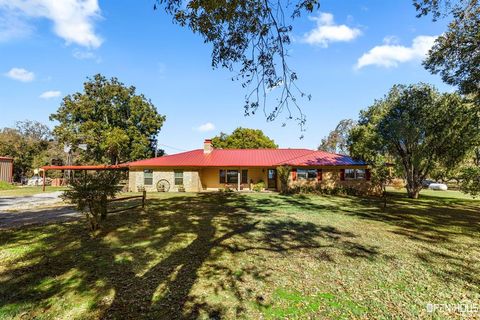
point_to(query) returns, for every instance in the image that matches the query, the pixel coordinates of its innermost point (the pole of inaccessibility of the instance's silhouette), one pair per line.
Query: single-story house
(214, 169)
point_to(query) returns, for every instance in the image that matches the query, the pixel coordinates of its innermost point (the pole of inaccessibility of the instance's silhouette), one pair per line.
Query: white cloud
(13, 27)
(20, 74)
(391, 54)
(206, 127)
(327, 31)
(50, 94)
(82, 55)
(73, 20)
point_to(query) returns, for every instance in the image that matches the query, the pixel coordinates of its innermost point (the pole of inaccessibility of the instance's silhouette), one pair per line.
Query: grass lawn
(249, 256)
(15, 191)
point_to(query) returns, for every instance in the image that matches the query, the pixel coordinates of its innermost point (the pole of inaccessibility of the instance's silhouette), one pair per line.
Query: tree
(470, 181)
(90, 192)
(115, 123)
(337, 139)
(419, 128)
(253, 35)
(455, 55)
(284, 175)
(243, 138)
(24, 143)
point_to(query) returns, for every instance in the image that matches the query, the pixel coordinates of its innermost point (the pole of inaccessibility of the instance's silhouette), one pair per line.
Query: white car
(438, 186)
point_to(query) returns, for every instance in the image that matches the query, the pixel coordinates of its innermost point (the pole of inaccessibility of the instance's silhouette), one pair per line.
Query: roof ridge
(167, 155)
(276, 149)
(303, 155)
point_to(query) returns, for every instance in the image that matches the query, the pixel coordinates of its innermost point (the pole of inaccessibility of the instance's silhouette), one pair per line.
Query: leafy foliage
(284, 175)
(90, 192)
(243, 138)
(420, 128)
(259, 186)
(470, 181)
(25, 143)
(337, 139)
(455, 55)
(253, 35)
(115, 122)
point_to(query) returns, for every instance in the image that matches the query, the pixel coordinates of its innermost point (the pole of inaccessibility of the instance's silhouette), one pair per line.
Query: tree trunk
(103, 207)
(413, 186)
(413, 190)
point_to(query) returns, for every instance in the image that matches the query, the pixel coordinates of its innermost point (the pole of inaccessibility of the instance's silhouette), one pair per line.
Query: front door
(272, 179)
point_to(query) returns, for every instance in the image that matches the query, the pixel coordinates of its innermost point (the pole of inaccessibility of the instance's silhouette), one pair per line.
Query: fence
(143, 197)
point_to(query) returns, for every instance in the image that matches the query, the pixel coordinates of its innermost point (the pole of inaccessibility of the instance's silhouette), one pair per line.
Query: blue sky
(346, 55)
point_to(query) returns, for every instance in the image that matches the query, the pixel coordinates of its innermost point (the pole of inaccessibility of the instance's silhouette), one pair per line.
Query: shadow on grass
(443, 228)
(152, 260)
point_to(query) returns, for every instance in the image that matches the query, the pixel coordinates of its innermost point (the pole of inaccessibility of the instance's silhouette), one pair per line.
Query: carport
(83, 168)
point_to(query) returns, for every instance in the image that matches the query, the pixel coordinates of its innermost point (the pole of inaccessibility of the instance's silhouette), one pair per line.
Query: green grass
(16, 191)
(251, 256)
(434, 193)
(5, 186)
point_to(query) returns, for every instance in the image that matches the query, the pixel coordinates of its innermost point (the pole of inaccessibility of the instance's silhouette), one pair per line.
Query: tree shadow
(442, 230)
(152, 260)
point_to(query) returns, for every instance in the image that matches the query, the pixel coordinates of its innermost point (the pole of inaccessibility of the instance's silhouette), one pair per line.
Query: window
(360, 174)
(354, 174)
(306, 174)
(147, 177)
(222, 176)
(244, 176)
(349, 173)
(232, 176)
(178, 177)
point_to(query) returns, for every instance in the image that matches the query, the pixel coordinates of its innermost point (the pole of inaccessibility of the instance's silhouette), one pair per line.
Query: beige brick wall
(191, 179)
(198, 179)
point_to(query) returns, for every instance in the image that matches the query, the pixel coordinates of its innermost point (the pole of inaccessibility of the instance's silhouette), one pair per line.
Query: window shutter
(294, 174)
(319, 174)
(342, 174)
(368, 175)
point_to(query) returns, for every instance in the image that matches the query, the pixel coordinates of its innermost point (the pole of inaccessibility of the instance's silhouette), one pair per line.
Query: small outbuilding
(6, 169)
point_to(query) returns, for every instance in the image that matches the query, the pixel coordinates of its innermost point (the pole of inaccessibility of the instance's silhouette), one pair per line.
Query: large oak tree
(115, 123)
(244, 138)
(420, 128)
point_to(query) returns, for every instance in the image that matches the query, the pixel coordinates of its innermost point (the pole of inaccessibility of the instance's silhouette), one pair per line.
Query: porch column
(238, 179)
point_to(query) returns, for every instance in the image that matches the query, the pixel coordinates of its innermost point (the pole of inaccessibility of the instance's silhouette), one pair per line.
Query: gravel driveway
(27, 210)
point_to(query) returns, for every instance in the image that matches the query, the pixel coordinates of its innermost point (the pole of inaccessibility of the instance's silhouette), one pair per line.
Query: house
(6, 169)
(214, 169)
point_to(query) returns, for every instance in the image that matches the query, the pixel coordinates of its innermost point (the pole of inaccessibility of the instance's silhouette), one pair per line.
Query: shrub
(284, 175)
(229, 188)
(259, 186)
(398, 183)
(470, 183)
(90, 193)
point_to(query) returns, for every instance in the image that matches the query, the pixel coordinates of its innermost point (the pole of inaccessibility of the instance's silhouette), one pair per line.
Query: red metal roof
(6, 158)
(248, 158)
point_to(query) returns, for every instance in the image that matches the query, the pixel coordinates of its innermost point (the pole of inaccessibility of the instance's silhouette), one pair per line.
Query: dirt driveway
(41, 208)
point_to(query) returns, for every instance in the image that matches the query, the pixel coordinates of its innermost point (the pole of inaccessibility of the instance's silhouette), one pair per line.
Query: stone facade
(191, 180)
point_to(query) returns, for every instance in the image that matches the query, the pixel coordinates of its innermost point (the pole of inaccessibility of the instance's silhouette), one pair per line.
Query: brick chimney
(207, 146)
